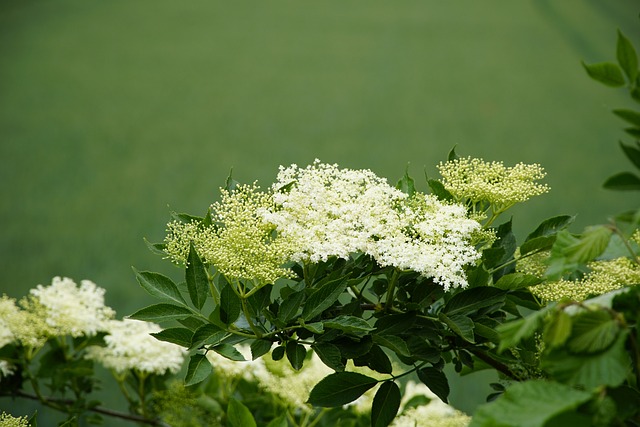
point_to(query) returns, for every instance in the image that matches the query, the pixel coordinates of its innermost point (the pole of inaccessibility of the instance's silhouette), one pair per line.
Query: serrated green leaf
(557, 329)
(406, 184)
(239, 415)
(460, 324)
(517, 281)
(196, 278)
(340, 388)
(330, 355)
(180, 336)
(207, 334)
(471, 300)
(315, 327)
(229, 351)
(159, 286)
(627, 57)
(632, 153)
(230, 305)
(393, 343)
(323, 298)
(156, 248)
(385, 404)
(593, 331)
(378, 360)
(438, 190)
(281, 421)
(394, 324)
(289, 307)
(569, 251)
(437, 382)
(163, 312)
(350, 325)
(529, 404)
(551, 226)
(511, 333)
(606, 73)
(623, 181)
(199, 369)
(541, 243)
(295, 354)
(260, 348)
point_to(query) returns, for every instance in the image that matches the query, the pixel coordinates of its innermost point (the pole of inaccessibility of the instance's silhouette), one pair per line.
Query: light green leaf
(529, 404)
(627, 57)
(161, 313)
(196, 277)
(323, 298)
(239, 415)
(406, 184)
(460, 324)
(199, 369)
(593, 331)
(606, 73)
(340, 388)
(473, 299)
(517, 281)
(350, 325)
(385, 404)
(159, 286)
(557, 329)
(511, 333)
(281, 421)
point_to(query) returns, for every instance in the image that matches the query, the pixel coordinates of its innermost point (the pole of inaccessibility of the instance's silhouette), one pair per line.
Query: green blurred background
(114, 112)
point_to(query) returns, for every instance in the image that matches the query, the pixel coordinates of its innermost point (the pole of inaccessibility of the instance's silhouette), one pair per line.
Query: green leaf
(406, 184)
(229, 351)
(511, 333)
(230, 184)
(330, 355)
(606, 73)
(393, 343)
(159, 286)
(281, 421)
(460, 324)
(260, 348)
(452, 154)
(558, 329)
(185, 217)
(385, 405)
(340, 388)
(551, 226)
(260, 299)
(230, 305)
(199, 369)
(239, 415)
(593, 331)
(629, 116)
(378, 360)
(437, 382)
(289, 307)
(350, 325)
(180, 336)
(632, 153)
(296, 354)
(277, 353)
(323, 298)
(196, 277)
(623, 181)
(161, 313)
(207, 334)
(156, 248)
(472, 299)
(514, 281)
(609, 367)
(627, 57)
(569, 251)
(529, 404)
(315, 327)
(395, 323)
(438, 190)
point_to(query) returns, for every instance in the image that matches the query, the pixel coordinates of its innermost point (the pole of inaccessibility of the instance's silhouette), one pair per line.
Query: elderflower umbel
(240, 245)
(8, 420)
(604, 276)
(129, 346)
(477, 180)
(73, 310)
(27, 326)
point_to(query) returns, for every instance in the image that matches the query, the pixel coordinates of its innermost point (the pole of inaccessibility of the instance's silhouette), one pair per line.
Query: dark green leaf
(161, 313)
(406, 184)
(260, 299)
(239, 415)
(438, 190)
(511, 333)
(395, 323)
(627, 57)
(541, 243)
(199, 369)
(289, 307)
(277, 353)
(460, 324)
(593, 331)
(230, 305)
(385, 404)
(330, 355)
(437, 382)
(350, 325)
(296, 354)
(323, 298)
(231, 184)
(623, 181)
(551, 226)
(229, 351)
(517, 281)
(207, 334)
(529, 404)
(315, 327)
(156, 248)
(185, 217)
(629, 116)
(394, 343)
(632, 153)
(606, 73)
(378, 360)
(159, 286)
(180, 336)
(196, 277)
(340, 388)
(452, 154)
(472, 299)
(260, 348)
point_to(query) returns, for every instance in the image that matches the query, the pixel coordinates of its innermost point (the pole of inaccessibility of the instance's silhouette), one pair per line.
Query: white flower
(8, 420)
(6, 369)
(73, 310)
(129, 346)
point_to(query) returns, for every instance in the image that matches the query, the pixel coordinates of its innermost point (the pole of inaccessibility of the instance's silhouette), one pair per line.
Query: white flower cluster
(129, 346)
(434, 414)
(325, 211)
(8, 420)
(73, 310)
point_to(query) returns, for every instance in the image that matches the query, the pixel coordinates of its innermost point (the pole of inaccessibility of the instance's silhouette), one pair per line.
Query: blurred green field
(113, 113)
